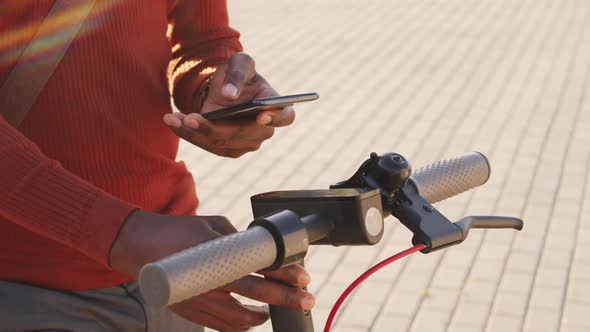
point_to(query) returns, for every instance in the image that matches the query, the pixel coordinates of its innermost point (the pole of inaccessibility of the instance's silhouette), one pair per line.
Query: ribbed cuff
(41, 196)
(107, 216)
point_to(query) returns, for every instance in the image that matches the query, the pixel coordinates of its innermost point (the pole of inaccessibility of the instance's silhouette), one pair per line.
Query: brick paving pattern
(431, 80)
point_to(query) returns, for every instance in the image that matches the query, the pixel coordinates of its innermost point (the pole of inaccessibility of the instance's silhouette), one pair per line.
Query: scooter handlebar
(210, 265)
(215, 263)
(447, 178)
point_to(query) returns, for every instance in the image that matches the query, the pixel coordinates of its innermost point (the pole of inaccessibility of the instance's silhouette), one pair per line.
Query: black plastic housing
(429, 226)
(343, 210)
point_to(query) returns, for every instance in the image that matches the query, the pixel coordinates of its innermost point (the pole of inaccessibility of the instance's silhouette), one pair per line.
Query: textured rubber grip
(446, 178)
(210, 265)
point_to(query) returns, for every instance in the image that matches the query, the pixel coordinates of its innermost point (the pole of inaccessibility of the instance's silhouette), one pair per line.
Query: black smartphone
(252, 108)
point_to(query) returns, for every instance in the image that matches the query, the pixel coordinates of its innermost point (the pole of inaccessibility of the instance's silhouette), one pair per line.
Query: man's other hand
(146, 237)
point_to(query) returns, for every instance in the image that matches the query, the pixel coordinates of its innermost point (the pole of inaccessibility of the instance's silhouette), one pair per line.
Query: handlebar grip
(447, 178)
(210, 265)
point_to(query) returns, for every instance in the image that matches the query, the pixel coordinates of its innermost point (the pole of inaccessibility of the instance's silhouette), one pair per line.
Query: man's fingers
(199, 123)
(224, 306)
(220, 132)
(228, 139)
(174, 120)
(230, 153)
(221, 225)
(240, 69)
(204, 319)
(220, 311)
(196, 129)
(272, 292)
(276, 118)
(293, 274)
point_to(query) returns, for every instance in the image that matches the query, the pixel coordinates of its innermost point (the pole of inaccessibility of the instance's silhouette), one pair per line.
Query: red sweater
(94, 146)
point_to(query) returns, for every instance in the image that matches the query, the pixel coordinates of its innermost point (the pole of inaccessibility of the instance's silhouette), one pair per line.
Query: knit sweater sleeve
(201, 40)
(39, 195)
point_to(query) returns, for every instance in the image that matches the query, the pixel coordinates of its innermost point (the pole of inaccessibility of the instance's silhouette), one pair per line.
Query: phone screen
(252, 108)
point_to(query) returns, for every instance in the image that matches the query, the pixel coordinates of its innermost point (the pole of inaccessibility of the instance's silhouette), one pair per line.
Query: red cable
(363, 277)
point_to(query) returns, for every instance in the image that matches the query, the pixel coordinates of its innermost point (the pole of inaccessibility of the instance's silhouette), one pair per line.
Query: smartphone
(252, 108)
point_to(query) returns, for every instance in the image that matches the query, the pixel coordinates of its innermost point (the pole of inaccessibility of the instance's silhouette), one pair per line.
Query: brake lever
(433, 229)
(470, 222)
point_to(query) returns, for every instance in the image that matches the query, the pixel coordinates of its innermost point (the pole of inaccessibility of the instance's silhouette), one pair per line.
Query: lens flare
(14, 38)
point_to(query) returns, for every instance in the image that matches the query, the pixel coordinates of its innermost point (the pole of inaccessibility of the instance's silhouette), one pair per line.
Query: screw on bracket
(428, 208)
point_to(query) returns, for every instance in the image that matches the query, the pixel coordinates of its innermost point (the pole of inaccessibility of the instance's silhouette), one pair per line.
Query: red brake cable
(363, 277)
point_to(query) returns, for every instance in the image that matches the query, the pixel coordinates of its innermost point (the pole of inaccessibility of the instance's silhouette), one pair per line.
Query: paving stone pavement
(431, 80)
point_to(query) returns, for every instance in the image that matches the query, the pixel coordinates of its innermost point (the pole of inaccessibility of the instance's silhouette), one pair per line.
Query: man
(90, 189)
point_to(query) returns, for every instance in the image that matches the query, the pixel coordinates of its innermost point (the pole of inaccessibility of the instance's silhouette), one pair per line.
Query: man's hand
(235, 82)
(147, 237)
